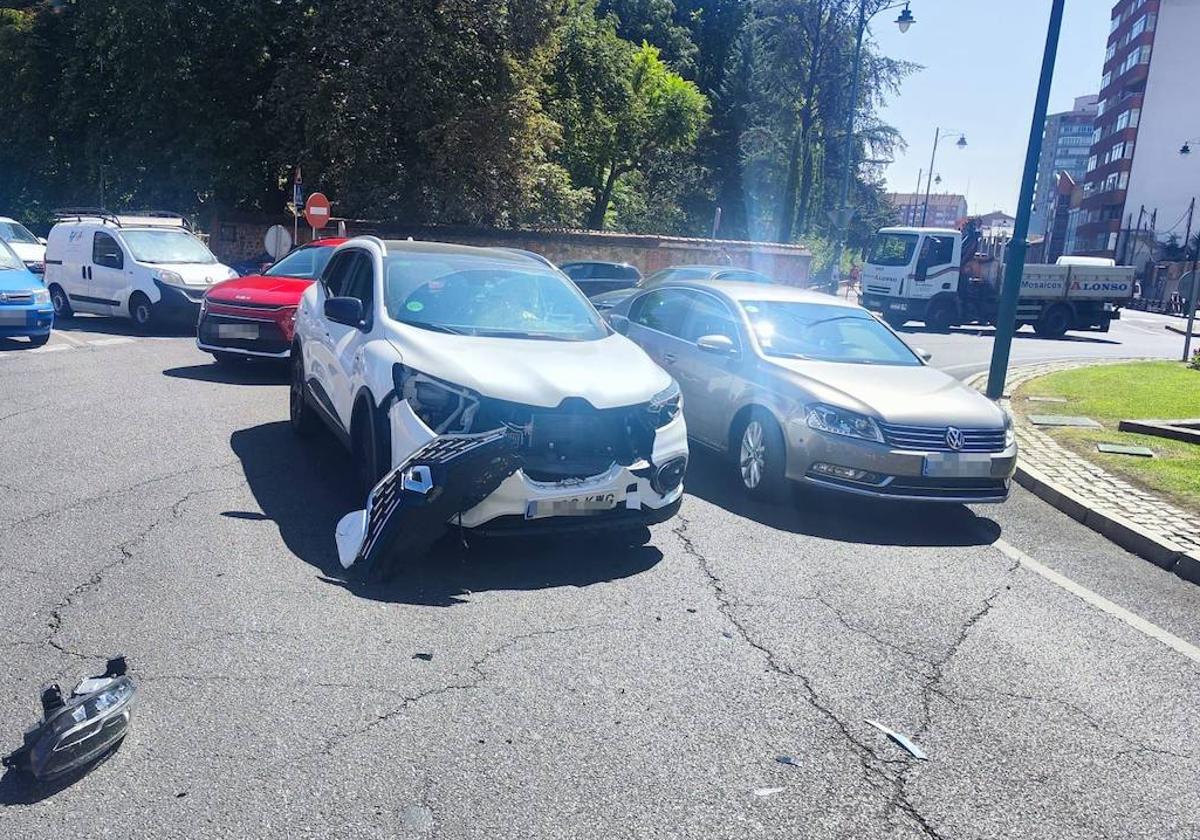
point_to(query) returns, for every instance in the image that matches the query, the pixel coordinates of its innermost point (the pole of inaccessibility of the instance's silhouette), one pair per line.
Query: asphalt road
(154, 504)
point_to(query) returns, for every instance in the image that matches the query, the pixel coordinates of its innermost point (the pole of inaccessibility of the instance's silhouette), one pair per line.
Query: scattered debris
(425, 657)
(77, 731)
(726, 634)
(1187, 430)
(904, 741)
(691, 609)
(1121, 449)
(417, 818)
(1063, 420)
(787, 759)
(768, 791)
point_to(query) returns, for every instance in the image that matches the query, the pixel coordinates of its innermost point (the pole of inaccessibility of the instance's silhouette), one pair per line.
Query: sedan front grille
(934, 438)
(16, 298)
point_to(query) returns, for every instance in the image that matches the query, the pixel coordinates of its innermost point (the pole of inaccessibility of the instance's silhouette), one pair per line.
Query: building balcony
(1132, 80)
(1100, 200)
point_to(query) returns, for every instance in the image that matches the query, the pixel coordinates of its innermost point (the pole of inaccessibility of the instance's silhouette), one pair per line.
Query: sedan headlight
(839, 421)
(171, 277)
(1010, 431)
(665, 405)
(41, 296)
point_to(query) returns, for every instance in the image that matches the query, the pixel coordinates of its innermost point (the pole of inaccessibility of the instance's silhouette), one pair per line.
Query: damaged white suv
(478, 387)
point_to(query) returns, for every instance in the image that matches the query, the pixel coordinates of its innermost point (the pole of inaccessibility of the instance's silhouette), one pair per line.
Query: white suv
(407, 347)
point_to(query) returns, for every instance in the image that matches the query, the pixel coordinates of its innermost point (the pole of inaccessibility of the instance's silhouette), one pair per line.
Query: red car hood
(261, 290)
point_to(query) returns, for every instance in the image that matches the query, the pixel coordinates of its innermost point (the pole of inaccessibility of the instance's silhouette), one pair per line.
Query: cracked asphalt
(156, 505)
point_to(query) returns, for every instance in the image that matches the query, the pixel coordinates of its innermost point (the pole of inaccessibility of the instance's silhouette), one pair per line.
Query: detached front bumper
(883, 471)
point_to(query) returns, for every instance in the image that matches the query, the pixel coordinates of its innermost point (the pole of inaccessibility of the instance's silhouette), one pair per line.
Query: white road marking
(1100, 602)
(69, 339)
(108, 342)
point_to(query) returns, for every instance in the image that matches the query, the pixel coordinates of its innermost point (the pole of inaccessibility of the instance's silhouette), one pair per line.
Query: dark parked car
(594, 277)
(607, 300)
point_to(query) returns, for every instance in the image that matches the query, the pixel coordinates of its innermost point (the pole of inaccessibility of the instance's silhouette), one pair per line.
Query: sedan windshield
(892, 249)
(791, 330)
(9, 260)
(16, 232)
(304, 263)
(166, 246)
(485, 297)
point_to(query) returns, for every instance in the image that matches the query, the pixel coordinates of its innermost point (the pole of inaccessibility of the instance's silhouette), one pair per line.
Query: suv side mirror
(620, 323)
(924, 354)
(344, 310)
(718, 345)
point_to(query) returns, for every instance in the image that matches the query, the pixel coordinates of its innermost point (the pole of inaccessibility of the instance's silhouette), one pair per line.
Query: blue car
(25, 309)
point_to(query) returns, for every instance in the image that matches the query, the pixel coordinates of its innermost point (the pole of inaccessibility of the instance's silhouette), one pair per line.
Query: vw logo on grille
(954, 438)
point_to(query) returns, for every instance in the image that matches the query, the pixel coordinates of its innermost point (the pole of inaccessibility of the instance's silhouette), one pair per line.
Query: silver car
(804, 386)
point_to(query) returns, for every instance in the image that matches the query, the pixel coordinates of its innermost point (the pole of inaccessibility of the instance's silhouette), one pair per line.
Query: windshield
(484, 297)
(306, 263)
(8, 259)
(893, 249)
(16, 232)
(791, 330)
(166, 246)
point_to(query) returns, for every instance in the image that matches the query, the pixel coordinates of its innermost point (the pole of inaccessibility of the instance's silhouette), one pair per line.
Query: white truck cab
(146, 267)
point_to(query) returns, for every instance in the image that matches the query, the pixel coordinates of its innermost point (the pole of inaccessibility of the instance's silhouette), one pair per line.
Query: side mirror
(42, 240)
(718, 345)
(924, 354)
(344, 310)
(620, 323)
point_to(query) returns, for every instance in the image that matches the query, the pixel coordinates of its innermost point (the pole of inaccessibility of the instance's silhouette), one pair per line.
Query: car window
(336, 273)
(937, 250)
(106, 252)
(16, 232)
(167, 247)
(360, 280)
(892, 249)
(305, 263)
(709, 316)
(9, 259)
(823, 332)
(744, 275)
(578, 271)
(664, 311)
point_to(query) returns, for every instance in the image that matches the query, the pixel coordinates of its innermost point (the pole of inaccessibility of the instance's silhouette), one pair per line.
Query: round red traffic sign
(316, 210)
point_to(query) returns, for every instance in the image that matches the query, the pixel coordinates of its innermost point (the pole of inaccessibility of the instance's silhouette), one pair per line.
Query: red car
(255, 315)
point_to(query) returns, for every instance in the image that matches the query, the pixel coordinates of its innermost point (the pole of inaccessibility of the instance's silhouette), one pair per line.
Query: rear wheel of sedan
(300, 413)
(762, 457)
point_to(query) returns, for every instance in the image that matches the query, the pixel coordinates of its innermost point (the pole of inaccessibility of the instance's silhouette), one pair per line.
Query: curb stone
(1145, 542)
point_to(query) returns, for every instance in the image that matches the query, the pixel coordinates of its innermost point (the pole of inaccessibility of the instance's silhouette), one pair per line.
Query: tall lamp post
(1006, 317)
(937, 136)
(1186, 150)
(844, 214)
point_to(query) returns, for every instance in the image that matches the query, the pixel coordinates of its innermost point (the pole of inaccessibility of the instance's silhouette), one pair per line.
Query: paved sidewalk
(1138, 520)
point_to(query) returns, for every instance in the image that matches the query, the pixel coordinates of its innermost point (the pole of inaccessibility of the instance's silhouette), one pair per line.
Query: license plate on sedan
(957, 465)
(572, 506)
(12, 316)
(237, 331)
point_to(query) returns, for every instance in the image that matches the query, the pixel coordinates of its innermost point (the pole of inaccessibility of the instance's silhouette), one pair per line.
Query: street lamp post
(842, 222)
(937, 135)
(1006, 317)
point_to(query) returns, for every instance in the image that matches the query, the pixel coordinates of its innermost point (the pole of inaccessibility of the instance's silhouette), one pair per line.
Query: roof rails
(80, 213)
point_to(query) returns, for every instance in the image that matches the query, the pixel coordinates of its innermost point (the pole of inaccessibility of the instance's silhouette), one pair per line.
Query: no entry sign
(316, 211)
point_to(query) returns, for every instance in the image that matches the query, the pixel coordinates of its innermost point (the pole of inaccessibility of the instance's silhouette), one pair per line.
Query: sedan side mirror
(924, 354)
(718, 345)
(344, 310)
(620, 323)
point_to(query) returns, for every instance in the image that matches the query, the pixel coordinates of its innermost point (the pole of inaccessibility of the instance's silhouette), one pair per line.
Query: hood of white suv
(608, 373)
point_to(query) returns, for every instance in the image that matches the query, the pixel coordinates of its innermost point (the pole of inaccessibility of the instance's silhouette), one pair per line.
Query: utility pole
(929, 184)
(1191, 300)
(1007, 316)
(913, 215)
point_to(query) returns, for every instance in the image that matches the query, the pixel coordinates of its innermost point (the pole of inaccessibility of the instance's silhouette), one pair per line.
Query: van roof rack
(118, 219)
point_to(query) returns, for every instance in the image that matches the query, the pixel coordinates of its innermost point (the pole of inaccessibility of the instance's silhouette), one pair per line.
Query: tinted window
(578, 271)
(613, 271)
(336, 273)
(663, 311)
(360, 282)
(710, 316)
(893, 249)
(744, 275)
(937, 250)
(305, 263)
(106, 251)
(792, 330)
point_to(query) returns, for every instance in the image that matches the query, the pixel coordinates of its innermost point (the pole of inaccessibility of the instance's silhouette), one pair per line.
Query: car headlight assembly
(41, 296)
(440, 405)
(1010, 431)
(666, 405)
(172, 278)
(839, 421)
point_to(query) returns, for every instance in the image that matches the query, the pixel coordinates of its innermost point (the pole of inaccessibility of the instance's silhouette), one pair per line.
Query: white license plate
(12, 317)
(957, 465)
(237, 330)
(899, 307)
(573, 506)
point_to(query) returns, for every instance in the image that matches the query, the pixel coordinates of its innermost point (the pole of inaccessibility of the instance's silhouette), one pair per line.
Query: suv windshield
(16, 232)
(893, 249)
(484, 297)
(166, 246)
(8, 259)
(790, 330)
(306, 263)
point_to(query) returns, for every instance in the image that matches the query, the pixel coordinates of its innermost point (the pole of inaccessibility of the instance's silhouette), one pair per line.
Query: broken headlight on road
(78, 730)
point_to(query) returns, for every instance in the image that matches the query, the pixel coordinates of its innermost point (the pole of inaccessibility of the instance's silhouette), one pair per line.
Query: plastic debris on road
(904, 741)
(787, 759)
(768, 791)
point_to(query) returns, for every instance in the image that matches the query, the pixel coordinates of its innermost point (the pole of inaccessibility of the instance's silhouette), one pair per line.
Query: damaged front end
(620, 467)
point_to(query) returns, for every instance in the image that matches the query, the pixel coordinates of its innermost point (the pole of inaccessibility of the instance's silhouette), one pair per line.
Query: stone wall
(234, 239)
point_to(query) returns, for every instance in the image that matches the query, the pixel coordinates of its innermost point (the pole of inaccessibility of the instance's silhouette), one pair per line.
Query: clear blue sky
(981, 63)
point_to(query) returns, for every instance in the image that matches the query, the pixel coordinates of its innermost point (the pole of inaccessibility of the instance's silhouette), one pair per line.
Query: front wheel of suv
(370, 445)
(300, 414)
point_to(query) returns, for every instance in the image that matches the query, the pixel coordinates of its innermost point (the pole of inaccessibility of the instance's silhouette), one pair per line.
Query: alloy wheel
(753, 459)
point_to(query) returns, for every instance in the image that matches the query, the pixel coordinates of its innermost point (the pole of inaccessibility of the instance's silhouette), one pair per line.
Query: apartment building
(1066, 146)
(945, 209)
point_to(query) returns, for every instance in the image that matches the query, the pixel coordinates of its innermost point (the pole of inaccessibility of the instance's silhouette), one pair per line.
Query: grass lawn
(1135, 391)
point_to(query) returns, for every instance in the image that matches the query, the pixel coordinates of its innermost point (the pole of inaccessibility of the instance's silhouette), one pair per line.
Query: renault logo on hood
(954, 438)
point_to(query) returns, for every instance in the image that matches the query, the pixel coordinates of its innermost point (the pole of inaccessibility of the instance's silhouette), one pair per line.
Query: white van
(146, 267)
